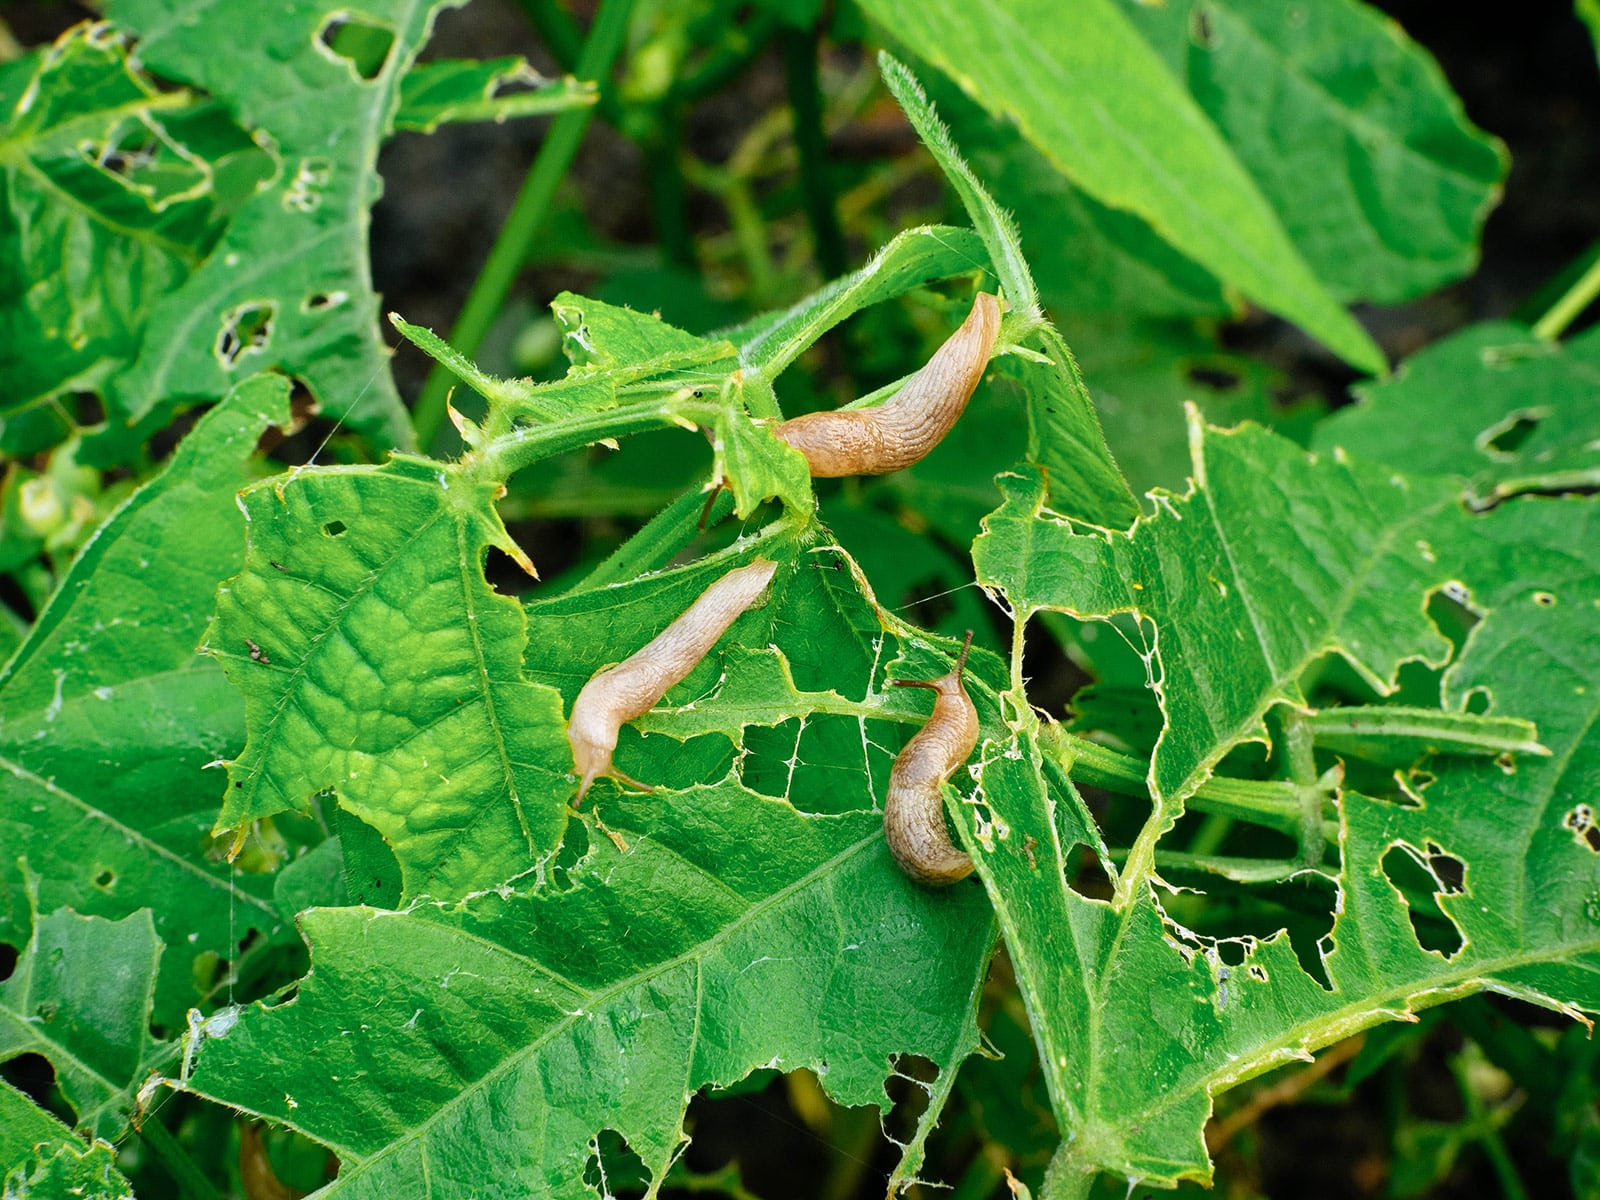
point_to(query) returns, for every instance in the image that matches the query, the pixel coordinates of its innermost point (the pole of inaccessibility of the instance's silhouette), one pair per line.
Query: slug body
(913, 813)
(873, 441)
(632, 687)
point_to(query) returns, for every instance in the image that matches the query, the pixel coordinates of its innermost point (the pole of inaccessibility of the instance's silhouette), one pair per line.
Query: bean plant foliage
(288, 808)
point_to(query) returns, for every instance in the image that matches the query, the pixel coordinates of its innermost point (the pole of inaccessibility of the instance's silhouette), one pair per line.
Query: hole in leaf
(304, 193)
(1201, 28)
(1449, 870)
(1581, 821)
(246, 329)
(1477, 701)
(928, 601)
(1087, 874)
(334, 528)
(87, 410)
(8, 961)
(104, 880)
(1544, 599)
(32, 1075)
(322, 301)
(1507, 436)
(1419, 889)
(1217, 378)
(613, 1167)
(361, 42)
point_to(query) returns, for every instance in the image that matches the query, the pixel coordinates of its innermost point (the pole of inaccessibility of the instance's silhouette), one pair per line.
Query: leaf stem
(527, 215)
(191, 1181)
(1572, 303)
(505, 455)
(1275, 803)
(660, 539)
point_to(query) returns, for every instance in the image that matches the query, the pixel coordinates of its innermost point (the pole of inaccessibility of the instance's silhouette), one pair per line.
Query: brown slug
(913, 813)
(632, 687)
(901, 431)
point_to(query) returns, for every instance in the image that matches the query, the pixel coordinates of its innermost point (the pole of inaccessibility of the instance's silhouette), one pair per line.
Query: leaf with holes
(455, 89)
(1271, 561)
(1502, 410)
(289, 285)
(111, 192)
(40, 1159)
(733, 933)
(81, 996)
(107, 716)
(1485, 878)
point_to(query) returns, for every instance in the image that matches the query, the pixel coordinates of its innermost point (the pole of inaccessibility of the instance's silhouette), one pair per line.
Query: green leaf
(909, 260)
(40, 1159)
(375, 660)
(634, 345)
(1349, 129)
(454, 89)
(1494, 406)
(321, 86)
(1270, 562)
(733, 933)
(1096, 100)
(1086, 257)
(81, 995)
(1140, 1023)
(107, 715)
(111, 193)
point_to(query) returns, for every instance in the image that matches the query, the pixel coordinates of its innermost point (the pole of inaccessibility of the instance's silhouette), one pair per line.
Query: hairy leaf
(1271, 561)
(1140, 1023)
(375, 660)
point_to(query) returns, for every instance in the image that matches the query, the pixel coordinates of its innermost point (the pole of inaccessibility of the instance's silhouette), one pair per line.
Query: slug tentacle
(632, 687)
(901, 431)
(913, 813)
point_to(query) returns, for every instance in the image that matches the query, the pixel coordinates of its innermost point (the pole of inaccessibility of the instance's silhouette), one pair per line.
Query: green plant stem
(532, 206)
(1566, 310)
(805, 102)
(669, 205)
(191, 1181)
(1488, 1137)
(505, 455)
(727, 60)
(660, 539)
(1274, 803)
